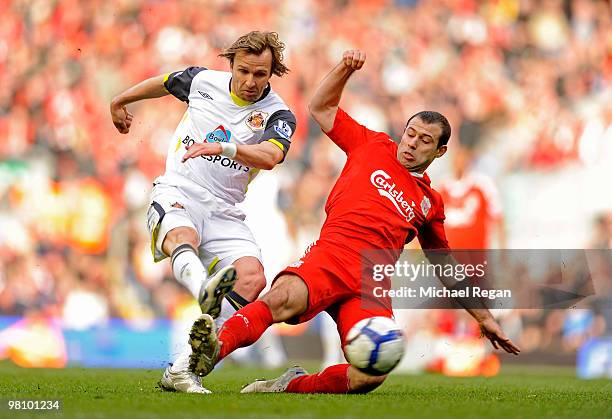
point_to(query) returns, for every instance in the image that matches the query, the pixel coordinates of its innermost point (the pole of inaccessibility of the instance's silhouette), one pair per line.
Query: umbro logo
(205, 95)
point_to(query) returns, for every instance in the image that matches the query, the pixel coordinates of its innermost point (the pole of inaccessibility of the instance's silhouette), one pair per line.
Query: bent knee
(178, 236)
(277, 299)
(360, 382)
(251, 281)
(287, 298)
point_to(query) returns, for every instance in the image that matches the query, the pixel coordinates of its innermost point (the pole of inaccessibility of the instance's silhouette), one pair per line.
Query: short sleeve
(178, 83)
(348, 134)
(279, 130)
(432, 235)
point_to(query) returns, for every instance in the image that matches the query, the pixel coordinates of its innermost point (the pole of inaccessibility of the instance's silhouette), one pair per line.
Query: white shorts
(224, 237)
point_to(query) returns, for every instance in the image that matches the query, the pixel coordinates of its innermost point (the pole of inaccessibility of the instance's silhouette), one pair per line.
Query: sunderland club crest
(256, 120)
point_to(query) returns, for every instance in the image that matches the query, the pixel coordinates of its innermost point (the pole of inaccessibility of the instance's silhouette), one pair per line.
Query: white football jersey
(213, 115)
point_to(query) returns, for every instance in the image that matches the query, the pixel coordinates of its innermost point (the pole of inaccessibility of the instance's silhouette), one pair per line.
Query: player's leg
(337, 379)
(249, 284)
(181, 245)
(251, 281)
(228, 241)
(251, 276)
(360, 382)
(341, 378)
(349, 313)
(287, 299)
(298, 293)
(174, 234)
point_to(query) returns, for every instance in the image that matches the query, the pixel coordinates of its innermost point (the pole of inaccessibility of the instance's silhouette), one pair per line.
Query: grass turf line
(516, 392)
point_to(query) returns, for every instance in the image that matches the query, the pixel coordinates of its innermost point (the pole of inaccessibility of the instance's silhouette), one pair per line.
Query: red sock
(244, 327)
(333, 379)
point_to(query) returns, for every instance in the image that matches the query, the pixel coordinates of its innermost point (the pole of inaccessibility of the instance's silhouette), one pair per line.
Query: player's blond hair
(257, 42)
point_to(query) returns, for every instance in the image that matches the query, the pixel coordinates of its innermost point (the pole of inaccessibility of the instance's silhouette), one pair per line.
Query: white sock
(182, 361)
(227, 311)
(188, 269)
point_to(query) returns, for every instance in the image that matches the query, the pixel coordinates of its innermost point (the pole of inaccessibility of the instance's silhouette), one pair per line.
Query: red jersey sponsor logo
(387, 188)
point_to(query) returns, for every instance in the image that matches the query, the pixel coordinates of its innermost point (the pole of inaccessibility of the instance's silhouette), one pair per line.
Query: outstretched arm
(324, 103)
(487, 324)
(147, 89)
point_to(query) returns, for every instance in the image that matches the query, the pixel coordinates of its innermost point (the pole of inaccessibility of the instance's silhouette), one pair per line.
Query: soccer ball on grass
(374, 345)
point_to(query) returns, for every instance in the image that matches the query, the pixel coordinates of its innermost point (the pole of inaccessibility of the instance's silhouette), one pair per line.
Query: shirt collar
(241, 102)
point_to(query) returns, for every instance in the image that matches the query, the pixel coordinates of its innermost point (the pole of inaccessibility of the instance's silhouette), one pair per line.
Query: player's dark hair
(433, 117)
(257, 42)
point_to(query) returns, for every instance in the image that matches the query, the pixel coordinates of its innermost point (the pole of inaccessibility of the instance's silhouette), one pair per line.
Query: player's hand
(202, 149)
(354, 59)
(492, 331)
(122, 118)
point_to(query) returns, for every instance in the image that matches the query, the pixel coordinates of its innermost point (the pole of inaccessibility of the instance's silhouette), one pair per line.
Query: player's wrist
(119, 102)
(482, 316)
(345, 69)
(115, 104)
(228, 150)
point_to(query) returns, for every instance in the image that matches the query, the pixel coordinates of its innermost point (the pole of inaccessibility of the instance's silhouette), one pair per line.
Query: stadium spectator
(533, 77)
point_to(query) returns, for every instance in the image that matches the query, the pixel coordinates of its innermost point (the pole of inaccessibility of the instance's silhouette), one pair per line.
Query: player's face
(419, 145)
(250, 74)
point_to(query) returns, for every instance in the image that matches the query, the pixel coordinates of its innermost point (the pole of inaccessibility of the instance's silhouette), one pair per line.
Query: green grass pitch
(518, 392)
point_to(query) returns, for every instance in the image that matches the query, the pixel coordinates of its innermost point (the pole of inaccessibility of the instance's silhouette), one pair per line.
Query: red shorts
(333, 278)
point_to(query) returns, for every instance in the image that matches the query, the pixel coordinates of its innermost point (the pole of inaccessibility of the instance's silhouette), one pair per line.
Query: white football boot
(214, 289)
(205, 346)
(276, 385)
(183, 381)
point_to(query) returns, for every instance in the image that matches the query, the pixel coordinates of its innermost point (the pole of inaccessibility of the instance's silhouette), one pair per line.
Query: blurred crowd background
(526, 85)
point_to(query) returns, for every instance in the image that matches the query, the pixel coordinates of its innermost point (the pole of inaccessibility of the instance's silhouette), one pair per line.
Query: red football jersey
(472, 203)
(376, 202)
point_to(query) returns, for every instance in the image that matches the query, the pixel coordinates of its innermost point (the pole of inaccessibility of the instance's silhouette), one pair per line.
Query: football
(374, 345)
